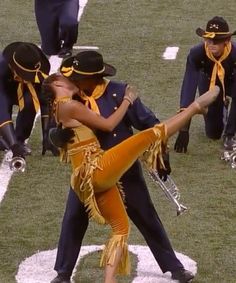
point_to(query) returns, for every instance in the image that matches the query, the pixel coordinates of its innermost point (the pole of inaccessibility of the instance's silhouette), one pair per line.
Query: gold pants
(114, 163)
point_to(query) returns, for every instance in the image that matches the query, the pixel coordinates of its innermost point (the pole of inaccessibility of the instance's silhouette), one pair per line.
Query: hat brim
(27, 76)
(109, 70)
(202, 33)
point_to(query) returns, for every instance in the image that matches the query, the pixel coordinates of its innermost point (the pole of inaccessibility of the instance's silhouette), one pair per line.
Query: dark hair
(48, 92)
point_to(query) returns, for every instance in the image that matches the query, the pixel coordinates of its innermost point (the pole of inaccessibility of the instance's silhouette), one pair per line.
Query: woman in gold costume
(96, 173)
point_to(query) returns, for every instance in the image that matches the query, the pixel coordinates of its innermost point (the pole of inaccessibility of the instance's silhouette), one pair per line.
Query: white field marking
(86, 47)
(39, 267)
(5, 175)
(82, 4)
(55, 63)
(170, 53)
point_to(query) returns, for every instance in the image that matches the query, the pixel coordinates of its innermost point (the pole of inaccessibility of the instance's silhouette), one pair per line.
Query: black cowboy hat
(27, 60)
(86, 64)
(217, 28)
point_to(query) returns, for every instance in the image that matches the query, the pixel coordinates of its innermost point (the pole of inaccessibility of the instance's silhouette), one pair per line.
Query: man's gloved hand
(163, 173)
(18, 150)
(181, 142)
(59, 137)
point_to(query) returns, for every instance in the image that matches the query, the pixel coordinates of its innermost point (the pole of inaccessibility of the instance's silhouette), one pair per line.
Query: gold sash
(218, 69)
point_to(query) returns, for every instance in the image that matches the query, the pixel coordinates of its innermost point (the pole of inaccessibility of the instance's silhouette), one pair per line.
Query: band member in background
(88, 71)
(212, 62)
(23, 67)
(58, 25)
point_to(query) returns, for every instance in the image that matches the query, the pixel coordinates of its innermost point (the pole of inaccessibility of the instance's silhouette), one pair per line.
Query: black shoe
(61, 279)
(229, 143)
(65, 52)
(182, 275)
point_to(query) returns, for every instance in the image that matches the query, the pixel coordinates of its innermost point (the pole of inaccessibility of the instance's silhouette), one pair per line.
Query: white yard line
(5, 176)
(82, 5)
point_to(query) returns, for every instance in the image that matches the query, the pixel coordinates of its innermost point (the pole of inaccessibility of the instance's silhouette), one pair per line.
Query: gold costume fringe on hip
(81, 178)
(109, 254)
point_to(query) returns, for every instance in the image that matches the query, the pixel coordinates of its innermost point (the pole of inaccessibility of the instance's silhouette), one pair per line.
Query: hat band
(213, 34)
(37, 70)
(67, 71)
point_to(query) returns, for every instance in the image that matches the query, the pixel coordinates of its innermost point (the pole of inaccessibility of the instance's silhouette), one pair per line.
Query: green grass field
(132, 35)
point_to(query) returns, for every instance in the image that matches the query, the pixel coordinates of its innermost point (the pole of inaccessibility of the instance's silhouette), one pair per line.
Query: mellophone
(170, 189)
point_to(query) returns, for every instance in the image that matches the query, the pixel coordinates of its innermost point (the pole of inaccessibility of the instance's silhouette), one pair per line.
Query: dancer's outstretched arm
(199, 106)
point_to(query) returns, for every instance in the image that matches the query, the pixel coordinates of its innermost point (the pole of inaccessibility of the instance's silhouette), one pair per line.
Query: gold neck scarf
(90, 101)
(218, 69)
(20, 93)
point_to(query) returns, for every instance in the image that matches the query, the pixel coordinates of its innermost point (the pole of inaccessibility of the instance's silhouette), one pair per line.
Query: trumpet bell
(170, 190)
(17, 164)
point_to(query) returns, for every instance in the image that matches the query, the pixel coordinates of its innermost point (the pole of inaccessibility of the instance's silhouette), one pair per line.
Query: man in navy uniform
(212, 62)
(23, 67)
(86, 70)
(58, 25)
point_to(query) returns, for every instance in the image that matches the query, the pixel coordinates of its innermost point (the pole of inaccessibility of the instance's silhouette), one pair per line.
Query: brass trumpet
(230, 156)
(170, 189)
(17, 164)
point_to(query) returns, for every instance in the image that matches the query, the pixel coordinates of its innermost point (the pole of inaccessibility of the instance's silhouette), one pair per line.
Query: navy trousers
(215, 122)
(57, 24)
(140, 210)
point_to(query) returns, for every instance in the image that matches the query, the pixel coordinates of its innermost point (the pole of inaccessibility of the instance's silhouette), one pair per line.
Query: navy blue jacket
(137, 116)
(198, 74)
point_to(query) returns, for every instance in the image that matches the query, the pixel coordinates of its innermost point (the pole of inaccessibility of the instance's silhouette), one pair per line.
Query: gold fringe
(81, 179)
(64, 157)
(109, 254)
(154, 155)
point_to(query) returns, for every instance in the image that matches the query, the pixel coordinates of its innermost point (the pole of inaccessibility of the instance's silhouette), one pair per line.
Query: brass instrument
(16, 164)
(170, 189)
(230, 156)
